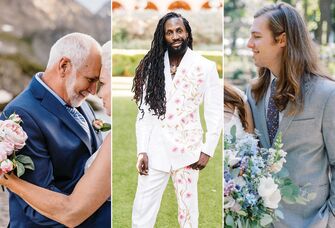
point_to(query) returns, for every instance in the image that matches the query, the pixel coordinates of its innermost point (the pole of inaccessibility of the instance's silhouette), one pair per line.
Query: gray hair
(75, 46)
(106, 56)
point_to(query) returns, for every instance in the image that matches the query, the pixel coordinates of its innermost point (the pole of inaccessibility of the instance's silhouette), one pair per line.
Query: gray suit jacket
(309, 140)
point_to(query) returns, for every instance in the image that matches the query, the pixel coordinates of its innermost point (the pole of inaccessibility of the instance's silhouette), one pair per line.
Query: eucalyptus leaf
(19, 169)
(243, 213)
(266, 220)
(233, 133)
(239, 223)
(24, 159)
(279, 214)
(229, 220)
(29, 166)
(311, 196)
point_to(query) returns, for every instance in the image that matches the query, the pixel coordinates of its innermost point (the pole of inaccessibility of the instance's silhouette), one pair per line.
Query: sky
(93, 5)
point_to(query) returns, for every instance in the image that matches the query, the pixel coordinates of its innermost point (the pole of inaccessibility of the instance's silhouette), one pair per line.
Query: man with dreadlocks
(170, 83)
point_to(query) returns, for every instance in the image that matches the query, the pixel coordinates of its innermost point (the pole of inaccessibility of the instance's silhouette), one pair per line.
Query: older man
(58, 124)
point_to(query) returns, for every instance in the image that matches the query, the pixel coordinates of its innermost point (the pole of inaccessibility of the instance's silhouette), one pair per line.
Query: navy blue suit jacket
(59, 147)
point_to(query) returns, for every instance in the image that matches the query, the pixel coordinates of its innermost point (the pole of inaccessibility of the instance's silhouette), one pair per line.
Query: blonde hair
(106, 56)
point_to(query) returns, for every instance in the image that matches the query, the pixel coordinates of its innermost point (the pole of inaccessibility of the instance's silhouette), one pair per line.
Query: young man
(292, 96)
(170, 84)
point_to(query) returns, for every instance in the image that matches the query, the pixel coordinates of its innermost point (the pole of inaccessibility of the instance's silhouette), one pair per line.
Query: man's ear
(64, 66)
(282, 40)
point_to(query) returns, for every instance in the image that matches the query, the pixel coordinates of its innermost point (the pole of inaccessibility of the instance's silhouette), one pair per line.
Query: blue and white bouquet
(255, 182)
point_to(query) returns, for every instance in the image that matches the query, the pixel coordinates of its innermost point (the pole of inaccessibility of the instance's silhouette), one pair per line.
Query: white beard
(75, 99)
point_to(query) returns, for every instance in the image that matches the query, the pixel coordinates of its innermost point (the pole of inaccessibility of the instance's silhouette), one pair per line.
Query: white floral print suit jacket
(177, 140)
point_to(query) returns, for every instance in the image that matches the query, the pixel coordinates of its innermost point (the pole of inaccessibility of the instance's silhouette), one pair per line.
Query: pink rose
(3, 155)
(13, 133)
(6, 166)
(7, 148)
(98, 124)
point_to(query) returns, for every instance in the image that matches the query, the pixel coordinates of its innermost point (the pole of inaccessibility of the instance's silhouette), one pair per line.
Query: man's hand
(203, 160)
(142, 164)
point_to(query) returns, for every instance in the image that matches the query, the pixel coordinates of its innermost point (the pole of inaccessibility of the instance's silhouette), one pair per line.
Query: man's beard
(75, 99)
(180, 50)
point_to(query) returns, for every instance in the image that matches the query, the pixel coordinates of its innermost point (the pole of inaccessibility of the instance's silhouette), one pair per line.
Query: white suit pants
(149, 194)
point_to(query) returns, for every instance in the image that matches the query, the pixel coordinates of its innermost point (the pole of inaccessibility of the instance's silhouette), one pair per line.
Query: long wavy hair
(149, 74)
(299, 58)
(233, 100)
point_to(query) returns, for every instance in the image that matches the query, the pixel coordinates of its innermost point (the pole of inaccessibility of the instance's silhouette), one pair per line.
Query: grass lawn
(125, 177)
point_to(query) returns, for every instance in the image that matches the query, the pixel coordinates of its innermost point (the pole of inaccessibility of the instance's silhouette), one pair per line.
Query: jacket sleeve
(144, 126)
(42, 176)
(328, 129)
(213, 110)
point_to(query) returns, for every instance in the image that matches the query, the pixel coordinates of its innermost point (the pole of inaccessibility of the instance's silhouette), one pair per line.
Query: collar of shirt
(38, 77)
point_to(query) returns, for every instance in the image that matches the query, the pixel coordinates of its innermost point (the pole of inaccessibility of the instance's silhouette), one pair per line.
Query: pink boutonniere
(99, 125)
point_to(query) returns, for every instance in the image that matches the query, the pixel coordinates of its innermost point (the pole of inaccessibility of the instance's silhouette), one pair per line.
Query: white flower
(229, 202)
(272, 151)
(273, 200)
(282, 153)
(232, 159)
(240, 181)
(276, 167)
(15, 118)
(266, 187)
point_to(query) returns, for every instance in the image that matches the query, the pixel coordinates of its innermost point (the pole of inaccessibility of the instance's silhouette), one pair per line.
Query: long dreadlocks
(150, 71)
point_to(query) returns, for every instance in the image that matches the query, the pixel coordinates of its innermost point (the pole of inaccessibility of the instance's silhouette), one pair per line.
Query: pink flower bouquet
(12, 139)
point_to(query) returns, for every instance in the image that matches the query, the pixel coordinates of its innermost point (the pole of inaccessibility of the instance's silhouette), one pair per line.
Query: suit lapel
(167, 75)
(285, 122)
(50, 103)
(184, 68)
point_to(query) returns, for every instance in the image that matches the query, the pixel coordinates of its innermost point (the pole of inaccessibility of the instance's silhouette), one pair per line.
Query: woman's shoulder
(240, 93)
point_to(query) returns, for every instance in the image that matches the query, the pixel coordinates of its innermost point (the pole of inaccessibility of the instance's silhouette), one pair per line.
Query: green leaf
(239, 223)
(283, 173)
(229, 220)
(19, 169)
(23, 159)
(279, 214)
(311, 196)
(266, 220)
(29, 166)
(106, 127)
(233, 133)
(26, 161)
(243, 213)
